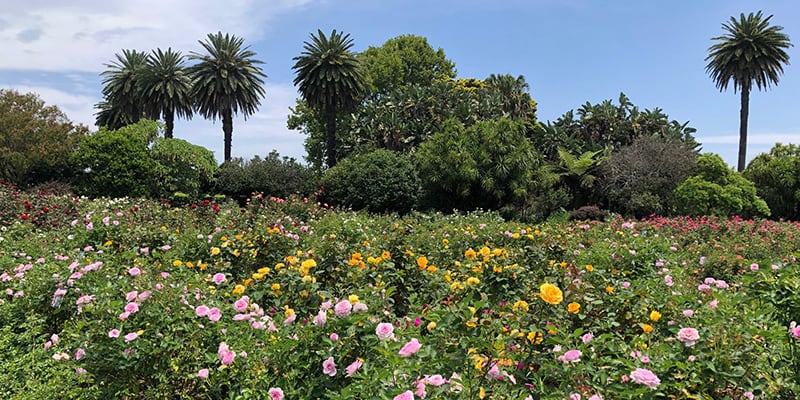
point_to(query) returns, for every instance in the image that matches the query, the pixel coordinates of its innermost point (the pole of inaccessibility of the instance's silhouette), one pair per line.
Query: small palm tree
(751, 51)
(330, 80)
(166, 88)
(227, 80)
(122, 103)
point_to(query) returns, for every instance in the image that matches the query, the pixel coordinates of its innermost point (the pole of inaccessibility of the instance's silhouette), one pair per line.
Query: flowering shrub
(289, 299)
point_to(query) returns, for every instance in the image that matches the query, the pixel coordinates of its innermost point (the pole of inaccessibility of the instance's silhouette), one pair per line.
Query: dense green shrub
(117, 163)
(35, 140)
(489, 165)
(718, 190)
(588, 213)
(182, 167)
(379, 181)
(639, 179)
(777, 178)
(273, 176)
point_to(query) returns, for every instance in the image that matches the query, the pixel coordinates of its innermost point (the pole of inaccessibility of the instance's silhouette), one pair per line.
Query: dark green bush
(639, 179)
(274, 176)
(718, 190)
(117, 163)
(378, 181)
(182, 167)
(588, 213)
(777, 178)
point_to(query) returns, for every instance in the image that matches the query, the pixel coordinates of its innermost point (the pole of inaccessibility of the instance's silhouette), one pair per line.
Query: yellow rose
(655, 316)
(573, 307)
(647, 328)
(551, 294)
(422, 262)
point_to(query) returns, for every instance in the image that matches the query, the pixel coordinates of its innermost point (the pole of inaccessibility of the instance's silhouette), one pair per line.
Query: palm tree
(122, 103)
(330, 80)
(750, 51)
(227, 80)
(166, 88)
(516, 101)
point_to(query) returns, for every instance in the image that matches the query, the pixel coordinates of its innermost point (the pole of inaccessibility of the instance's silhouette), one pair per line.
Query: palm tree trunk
(169, 120)
(330, 136)
(743, 115)
(227, 129)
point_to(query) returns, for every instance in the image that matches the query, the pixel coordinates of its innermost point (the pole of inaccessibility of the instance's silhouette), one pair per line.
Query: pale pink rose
(571, 356)
(709, 281)
(704, 288)
(79, 353)
(201, 311)
(575, 396)
(326, 305)
(688, 313)
(692, 357)
(343, 308)
(384, 330)
(242, 317)
(352, 368)
(114, 333)
(753, 267)
(626, 285)
(689, 336)
(203, 373)
(407, 395)
(131, 308)
(131, 337)
(334, 337)
(420, 389)
(275, 394)
(218, 278)
(135, 271)
(794, 330)
(227, 357)
(360, 307)
(645, 377)
(321, 318)
(288, 321)
(214, 314)
(596, 397)
(586, 338)
(713, 304)
(241, 304)
(436, 380)
(749, 395)
(329, 367)
(124, 315)
(410, 348)
(144, 295)
(131, 295)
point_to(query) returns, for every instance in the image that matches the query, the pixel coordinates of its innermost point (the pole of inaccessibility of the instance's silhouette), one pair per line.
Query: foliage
(330, 80)
(273, 176)
(226, 80)
(487, 165)
(137, 300)
(776, 176)
(717, 190)
(638, 180)
(166, 87)
(750, 51)
(378, 181)
(36, 140)
(404, 61)
(588, 213)
(607, 127)
(182, 167)
(117, 163)
(122, 97)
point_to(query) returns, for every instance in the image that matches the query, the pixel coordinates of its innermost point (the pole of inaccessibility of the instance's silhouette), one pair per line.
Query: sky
(569, 51)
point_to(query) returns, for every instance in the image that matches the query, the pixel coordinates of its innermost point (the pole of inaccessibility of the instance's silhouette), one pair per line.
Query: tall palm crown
(121, 105)
(166, 88)
(226, 81)
(751, 51)
(330, 80)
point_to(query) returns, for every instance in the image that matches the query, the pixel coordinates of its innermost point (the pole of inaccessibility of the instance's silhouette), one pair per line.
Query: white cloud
(79, 108)
(79, 35)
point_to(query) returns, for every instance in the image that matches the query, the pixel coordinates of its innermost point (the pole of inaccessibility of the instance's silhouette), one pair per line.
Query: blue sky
(570, 52)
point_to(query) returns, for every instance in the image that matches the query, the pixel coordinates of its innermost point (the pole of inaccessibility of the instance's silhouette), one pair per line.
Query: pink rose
(410, 348)
(203, 373)
(645, 377)
(352, 368)
(131, 308)
(135, 271)
(275, 394)
(794, 330)
(384, 330)
(321, 318)
(241, 304)
(114, 333)
(689, 336)
(131, 337)
(214, 314)
(586, 338)
(343, 308)
(420, 391)
(436, 380)
(334, 337)
(79, 354)
(329, 367)
(407, 395)
(571, 356)
(131, 295)
(713, 304)
(360, 308)
(201, 311)
(688, 313)
(218, 278)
